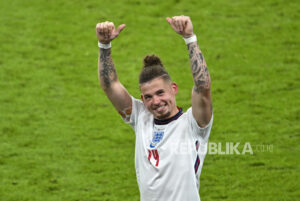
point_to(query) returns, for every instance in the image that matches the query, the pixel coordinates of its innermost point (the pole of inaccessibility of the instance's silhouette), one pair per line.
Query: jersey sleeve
(196, 129)
(137, 107)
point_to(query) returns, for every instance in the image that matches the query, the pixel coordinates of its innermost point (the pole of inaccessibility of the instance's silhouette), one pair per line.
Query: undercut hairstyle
(153, 68)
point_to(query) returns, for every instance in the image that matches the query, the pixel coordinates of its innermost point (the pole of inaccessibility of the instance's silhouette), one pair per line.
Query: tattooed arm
(201, 96)
(109, 81)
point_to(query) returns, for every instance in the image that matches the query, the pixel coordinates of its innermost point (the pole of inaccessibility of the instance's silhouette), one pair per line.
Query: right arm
(109, 81)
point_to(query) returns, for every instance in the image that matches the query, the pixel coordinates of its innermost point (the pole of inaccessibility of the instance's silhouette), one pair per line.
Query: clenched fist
(106, 31)
(181, 25)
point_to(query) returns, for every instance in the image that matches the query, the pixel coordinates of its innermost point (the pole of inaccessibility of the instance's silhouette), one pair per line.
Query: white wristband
(190, 39)
(104, 46)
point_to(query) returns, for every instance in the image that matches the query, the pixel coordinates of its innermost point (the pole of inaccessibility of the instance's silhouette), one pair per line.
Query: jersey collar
(166, 121)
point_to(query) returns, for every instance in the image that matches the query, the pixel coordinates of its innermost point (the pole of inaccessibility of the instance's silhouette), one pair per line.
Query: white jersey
(168, 157)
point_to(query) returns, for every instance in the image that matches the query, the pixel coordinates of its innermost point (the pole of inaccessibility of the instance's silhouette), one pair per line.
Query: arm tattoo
(199, 68)
(107, 72)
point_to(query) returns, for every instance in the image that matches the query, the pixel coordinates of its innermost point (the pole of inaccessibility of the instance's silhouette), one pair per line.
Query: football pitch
(61, 139)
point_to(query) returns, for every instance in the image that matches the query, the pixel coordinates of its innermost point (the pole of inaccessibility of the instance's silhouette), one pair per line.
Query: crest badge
(157, 137)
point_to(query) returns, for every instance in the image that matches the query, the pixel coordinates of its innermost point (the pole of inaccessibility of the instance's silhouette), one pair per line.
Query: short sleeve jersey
(169, 157)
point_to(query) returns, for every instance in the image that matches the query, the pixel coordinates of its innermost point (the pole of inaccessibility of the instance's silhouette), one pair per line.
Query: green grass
(60, 138)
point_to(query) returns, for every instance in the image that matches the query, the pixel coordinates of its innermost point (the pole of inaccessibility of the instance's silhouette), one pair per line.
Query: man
(170, 145)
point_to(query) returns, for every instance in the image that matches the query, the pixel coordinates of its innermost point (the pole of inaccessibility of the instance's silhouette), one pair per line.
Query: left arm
(201, 95)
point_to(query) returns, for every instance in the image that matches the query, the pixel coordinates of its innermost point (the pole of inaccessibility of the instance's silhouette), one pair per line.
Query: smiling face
(158, 96)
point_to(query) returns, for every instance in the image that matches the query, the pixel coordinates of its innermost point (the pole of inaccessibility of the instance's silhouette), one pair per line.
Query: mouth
(160, 108)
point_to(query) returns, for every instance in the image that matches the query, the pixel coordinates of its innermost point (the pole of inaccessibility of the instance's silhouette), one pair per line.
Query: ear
(174, 87)
(142, 97)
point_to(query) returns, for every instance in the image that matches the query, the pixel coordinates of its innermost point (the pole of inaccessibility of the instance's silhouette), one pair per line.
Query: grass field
(61, 140)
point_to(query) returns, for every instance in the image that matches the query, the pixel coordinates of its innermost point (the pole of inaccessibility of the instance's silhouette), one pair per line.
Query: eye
(160, 92)
(147, 97)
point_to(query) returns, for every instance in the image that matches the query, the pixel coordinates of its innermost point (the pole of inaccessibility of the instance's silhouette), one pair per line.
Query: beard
(163, 116)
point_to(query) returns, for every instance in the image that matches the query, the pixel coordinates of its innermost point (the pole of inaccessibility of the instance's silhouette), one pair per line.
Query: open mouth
(160, 108)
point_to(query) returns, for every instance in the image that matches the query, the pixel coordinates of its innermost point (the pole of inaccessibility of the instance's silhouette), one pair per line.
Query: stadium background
(60, 138)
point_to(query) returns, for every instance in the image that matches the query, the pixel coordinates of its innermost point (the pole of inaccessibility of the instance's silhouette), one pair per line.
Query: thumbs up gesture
(106, 31)
(181, 25)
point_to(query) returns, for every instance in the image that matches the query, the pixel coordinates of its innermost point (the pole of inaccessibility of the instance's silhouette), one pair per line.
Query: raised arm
(201, 96)
(109, 81)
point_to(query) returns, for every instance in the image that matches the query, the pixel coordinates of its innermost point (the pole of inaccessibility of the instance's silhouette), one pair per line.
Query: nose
(156, 100)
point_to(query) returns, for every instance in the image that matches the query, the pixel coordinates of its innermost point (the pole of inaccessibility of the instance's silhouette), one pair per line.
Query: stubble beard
(164, 116)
